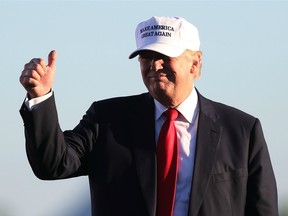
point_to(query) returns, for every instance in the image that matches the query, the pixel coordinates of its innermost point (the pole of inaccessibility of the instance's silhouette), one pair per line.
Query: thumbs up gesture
(37, 77)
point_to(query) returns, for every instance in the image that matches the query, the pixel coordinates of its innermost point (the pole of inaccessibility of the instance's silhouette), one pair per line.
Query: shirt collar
(188, 108)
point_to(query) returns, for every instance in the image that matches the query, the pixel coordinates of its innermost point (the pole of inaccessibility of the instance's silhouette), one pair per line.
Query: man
(222, 165)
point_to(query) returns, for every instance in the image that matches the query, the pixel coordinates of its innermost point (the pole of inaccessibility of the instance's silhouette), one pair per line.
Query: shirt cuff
(31, 104)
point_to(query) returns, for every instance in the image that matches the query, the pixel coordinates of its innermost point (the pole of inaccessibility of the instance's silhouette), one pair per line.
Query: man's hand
(37, 78)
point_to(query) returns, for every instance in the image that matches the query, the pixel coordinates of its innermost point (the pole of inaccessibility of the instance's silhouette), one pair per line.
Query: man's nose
(156, 64)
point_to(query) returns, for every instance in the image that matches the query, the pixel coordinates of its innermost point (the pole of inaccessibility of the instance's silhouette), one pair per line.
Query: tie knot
(171, 114)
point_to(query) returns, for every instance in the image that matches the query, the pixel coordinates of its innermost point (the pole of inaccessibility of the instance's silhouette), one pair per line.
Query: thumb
(52, 59)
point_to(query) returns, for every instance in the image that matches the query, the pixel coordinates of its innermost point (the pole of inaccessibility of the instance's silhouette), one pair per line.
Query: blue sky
(244, 45)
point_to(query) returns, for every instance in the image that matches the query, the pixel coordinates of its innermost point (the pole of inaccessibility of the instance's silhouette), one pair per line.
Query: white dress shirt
(186, 126)
(35, 101)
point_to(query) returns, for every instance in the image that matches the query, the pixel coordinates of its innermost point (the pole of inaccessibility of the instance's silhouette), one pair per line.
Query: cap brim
(164, 49)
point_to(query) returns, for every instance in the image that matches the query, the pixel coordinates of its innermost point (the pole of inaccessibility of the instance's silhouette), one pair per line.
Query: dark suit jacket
(114, 144)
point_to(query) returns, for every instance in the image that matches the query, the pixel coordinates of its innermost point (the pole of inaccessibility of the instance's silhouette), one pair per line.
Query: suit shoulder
(124, 101)
(230, 110)
(120, 106)
(228, 114)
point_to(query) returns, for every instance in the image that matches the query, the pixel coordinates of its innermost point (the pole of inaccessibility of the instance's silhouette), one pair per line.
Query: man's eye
(149, 56)
(142, 56)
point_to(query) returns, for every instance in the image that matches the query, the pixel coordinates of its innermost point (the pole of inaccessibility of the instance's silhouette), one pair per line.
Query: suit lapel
(142, 123)
(143, 133)
(208, 139)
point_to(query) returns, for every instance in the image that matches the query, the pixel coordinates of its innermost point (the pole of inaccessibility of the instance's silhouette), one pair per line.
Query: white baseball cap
(170, 36)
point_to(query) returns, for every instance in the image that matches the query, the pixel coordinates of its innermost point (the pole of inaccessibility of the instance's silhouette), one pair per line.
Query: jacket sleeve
(261, 186)
(53, 154)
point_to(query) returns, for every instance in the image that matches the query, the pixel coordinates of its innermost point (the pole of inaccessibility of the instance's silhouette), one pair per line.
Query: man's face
(168, 79)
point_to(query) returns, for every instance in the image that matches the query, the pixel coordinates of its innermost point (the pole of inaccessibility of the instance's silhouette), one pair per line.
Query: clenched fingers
(37, 65)
(33, 72)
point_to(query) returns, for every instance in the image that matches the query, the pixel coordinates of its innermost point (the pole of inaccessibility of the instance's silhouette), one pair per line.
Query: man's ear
(196, 64)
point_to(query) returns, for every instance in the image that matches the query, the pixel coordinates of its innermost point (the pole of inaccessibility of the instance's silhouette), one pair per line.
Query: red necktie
(167, 165)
